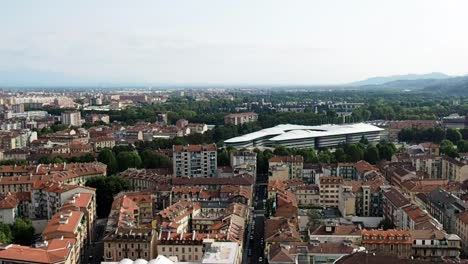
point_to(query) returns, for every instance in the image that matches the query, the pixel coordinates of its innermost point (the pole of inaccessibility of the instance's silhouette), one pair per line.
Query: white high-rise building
(71, 118)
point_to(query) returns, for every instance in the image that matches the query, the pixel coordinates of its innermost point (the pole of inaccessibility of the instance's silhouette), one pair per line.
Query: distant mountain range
(432, 82)
(406, 77)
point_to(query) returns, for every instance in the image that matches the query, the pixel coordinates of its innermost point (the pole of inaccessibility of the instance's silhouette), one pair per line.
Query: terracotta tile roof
(364, 166)
(195, 148)
(80, 200)
(417, 214)
(63, 222)
(8, 201)
(428, 234)
(423, 185)
(386, 237)
(56, 251)
(281, 230)
(281, 253)
(396, 197)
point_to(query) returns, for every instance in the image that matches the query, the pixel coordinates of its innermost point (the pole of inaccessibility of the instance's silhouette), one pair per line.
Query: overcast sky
(241, 42)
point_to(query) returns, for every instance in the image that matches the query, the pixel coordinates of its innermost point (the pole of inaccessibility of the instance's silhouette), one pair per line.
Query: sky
(233, 42)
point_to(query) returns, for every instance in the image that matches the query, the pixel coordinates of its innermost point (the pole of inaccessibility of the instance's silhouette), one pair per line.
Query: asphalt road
(256, 246)
(95, 251)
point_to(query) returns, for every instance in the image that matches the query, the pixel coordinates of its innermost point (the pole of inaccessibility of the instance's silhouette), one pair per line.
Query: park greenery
(20, 232)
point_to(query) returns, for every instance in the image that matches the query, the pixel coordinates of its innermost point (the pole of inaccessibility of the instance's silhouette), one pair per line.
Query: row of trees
(452, 141)
(106, 188)
(371, 153)
(121, 158)
(81, 159)
(435, 135)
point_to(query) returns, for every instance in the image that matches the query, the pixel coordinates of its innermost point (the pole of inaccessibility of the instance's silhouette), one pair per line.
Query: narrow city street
(95, 251)
(256, 240)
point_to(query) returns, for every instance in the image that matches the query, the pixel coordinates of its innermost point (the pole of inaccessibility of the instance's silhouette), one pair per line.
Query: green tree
(448, 148)
(453, 135)
(22, 232)
(372, 154)
(223, 157)
(128, 159)
(462, 146)
(153, 160)
(386, 224)
(386, 150)
(6, 236)
(325, 156)
(340, 155)
(107, 157)
(354, 153)
(314, 219)
(281, 151)
(106, 188)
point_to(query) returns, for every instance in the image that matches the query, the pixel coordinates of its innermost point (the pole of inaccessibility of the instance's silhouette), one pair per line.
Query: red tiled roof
(63, 222)
(56, 251)
(386, 237)
(8, 201)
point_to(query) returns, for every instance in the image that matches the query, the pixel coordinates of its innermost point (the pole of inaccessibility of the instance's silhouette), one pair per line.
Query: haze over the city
(229, 42)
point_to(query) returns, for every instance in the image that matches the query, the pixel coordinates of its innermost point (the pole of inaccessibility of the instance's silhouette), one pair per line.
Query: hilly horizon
(379, 80)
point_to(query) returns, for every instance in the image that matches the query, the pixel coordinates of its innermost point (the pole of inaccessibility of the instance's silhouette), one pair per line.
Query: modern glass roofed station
(298, 136)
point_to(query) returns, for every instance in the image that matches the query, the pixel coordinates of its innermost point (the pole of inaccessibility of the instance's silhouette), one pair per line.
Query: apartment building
(102, 142)
(244, 162)
(454, 169)
(184, 247)
(176, 217)
(429, 164)
(461, 229)
(286, 167)
(71, 118)
(393, 203)
(97, 117)
(132, 243)
(144, 179)
(68, 224)
(240, 118)
(195, 160)
(49, 196)
(329, 190)
(352, 171)
(362, 198)
(388, 243)
(8, 208)
(445, 207)
(435, 245)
